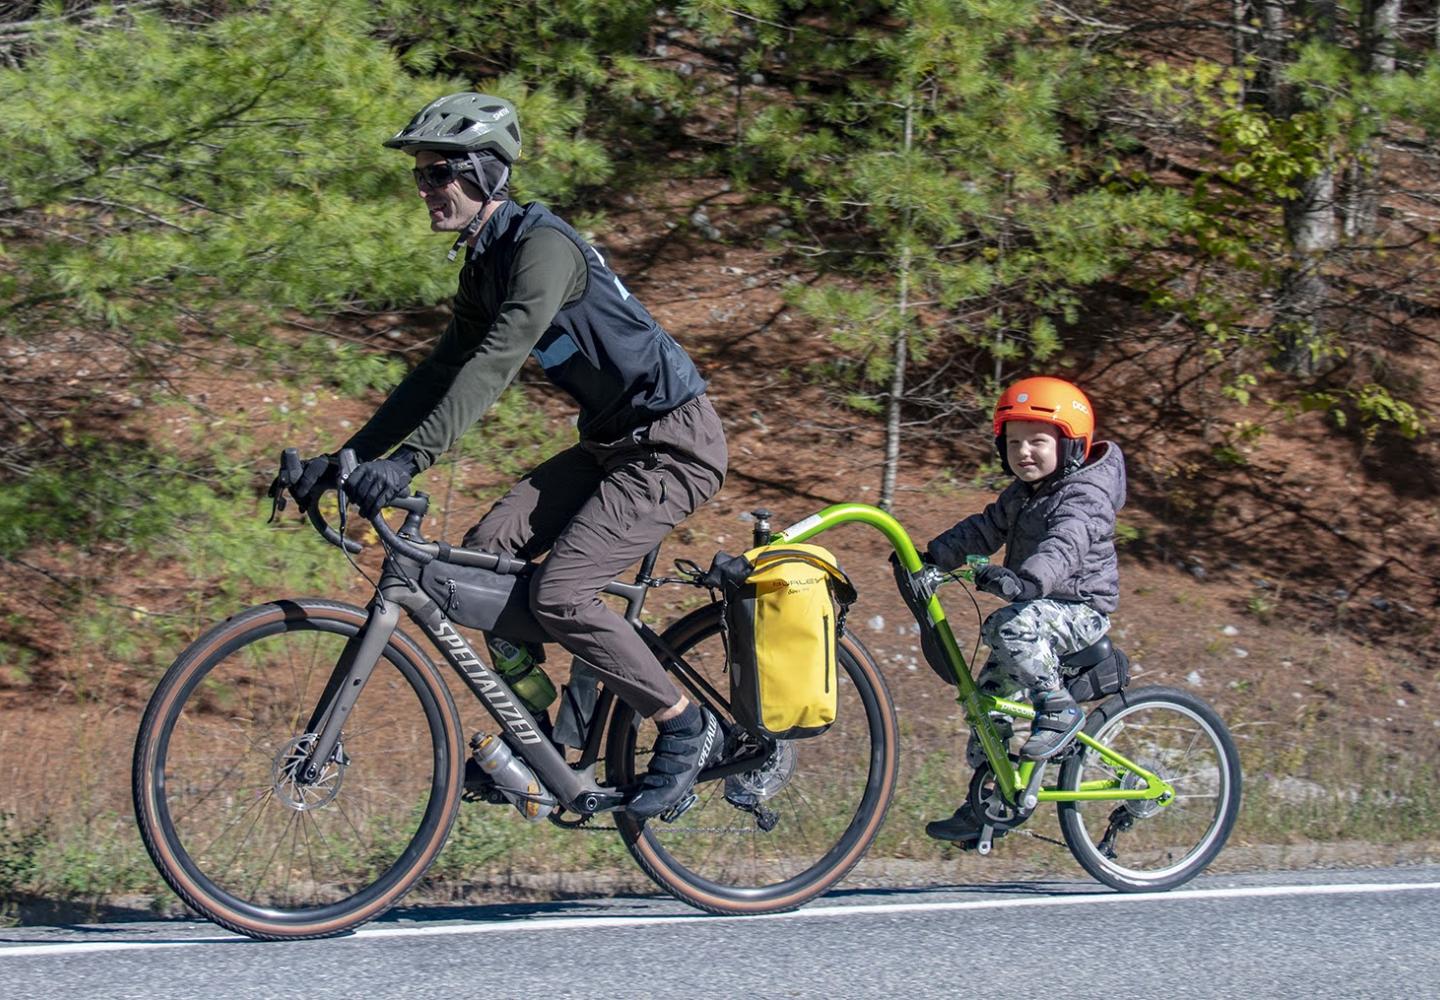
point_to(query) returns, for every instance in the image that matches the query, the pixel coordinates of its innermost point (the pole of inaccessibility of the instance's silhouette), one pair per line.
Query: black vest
(603, 348)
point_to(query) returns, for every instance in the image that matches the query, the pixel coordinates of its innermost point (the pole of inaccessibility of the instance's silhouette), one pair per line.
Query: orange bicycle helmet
(1050, 401)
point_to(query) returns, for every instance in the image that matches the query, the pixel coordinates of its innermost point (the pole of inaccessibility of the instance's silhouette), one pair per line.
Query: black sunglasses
(436, 175)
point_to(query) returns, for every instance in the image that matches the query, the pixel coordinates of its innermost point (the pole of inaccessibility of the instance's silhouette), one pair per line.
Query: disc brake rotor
(767, 780)
(304, 796)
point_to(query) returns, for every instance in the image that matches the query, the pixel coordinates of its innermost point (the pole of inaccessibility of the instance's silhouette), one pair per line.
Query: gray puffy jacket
(1062, 535)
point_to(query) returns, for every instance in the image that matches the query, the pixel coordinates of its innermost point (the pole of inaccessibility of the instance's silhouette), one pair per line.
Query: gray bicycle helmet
(463, 123)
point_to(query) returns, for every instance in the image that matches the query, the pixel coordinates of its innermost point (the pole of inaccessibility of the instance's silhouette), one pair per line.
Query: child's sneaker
(1057, 720)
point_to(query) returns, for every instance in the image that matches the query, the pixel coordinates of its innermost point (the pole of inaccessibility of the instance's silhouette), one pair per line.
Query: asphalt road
(1278, 934)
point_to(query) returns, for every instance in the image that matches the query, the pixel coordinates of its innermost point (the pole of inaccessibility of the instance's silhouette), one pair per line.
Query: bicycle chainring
(988, 804)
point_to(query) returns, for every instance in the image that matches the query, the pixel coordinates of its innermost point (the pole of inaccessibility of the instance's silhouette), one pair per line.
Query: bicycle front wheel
(1149, 845)
(221, 809)
(773, 838)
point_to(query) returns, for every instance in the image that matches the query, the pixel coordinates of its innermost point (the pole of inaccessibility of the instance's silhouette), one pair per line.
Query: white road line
(531, 925)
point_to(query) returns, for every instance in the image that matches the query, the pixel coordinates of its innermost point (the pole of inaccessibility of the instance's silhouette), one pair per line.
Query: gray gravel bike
(300, 764)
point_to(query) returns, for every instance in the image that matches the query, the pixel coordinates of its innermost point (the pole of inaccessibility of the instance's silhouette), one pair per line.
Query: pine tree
(1311, 129)
(927, 166)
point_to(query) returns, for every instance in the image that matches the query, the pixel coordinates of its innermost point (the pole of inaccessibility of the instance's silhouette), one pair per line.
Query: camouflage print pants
(1028, 638)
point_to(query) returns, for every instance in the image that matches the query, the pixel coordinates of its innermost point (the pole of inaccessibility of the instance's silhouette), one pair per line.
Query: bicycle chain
(587, 825)
(1041, 836)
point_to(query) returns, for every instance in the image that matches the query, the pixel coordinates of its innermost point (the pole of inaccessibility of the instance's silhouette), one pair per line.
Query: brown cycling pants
(598, 508)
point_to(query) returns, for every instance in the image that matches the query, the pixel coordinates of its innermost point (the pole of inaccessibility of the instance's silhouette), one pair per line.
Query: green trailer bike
(1149, 791)
(301, 764)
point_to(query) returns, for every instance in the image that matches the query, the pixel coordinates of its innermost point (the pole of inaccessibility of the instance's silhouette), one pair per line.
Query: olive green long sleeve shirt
(495, 324)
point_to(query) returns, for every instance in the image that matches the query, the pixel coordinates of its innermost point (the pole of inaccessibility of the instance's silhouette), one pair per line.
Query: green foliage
(349, 369)
(99, 492)
(19, 855)
(1369, 409)
(98, 857)
(600, 84)
(194, 167)
(1127, 534)
(934, 151)
(491, 838)
(1328, 107)
(179, 170)
(514, 437)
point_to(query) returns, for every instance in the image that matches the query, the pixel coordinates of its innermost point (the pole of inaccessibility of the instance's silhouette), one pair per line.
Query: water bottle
(522, 673)
(512, 777)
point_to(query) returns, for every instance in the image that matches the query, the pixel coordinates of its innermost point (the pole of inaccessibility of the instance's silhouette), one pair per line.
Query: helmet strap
(496, 190)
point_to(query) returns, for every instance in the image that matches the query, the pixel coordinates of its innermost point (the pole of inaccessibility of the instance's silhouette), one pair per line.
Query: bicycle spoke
(1155, 844)
(809, 793)
(233, 800)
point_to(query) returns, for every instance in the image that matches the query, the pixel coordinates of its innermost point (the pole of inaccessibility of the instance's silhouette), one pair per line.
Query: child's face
(1032, 448)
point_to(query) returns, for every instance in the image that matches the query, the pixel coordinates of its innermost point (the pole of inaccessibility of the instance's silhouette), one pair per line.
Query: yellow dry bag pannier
(782, 622)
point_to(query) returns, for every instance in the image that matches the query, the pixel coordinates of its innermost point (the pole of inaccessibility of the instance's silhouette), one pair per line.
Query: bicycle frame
(1020, 785)
(573, 786)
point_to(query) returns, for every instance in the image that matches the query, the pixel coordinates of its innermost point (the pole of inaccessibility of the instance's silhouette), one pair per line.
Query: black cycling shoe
(962, 828)
(962, 825)
(1058, 718)
(677, 760)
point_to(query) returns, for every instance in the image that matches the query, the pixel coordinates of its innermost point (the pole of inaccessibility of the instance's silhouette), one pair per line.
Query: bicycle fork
(353, 668)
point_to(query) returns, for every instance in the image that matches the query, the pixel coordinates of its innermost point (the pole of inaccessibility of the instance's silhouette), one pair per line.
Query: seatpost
(761, 531)
(647, 565)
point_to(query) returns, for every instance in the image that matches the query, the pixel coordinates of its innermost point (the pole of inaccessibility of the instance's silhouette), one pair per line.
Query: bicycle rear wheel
(220, 808)
(1147, 845)
(776, 837)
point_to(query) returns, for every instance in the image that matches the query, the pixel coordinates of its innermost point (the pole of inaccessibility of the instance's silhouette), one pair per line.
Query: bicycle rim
(220, 809)
(1155, 846)
(815, 805)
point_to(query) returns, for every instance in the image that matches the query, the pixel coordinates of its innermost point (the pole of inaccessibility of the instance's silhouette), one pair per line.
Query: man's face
(1033, 449)
(450, 207)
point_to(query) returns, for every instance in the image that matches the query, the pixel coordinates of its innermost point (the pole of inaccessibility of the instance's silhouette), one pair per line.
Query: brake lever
(348, 464)
(290, 472)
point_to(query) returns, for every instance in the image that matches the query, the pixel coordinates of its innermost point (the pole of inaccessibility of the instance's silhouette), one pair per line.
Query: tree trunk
(1270, 50)
(1383, 31)
(1310, 231)
(901, 348)
(1379, 27)
(1239, 43)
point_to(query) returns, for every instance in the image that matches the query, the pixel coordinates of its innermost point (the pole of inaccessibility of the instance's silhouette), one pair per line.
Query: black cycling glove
(374, 484)
(1005, 583)
(319, 474)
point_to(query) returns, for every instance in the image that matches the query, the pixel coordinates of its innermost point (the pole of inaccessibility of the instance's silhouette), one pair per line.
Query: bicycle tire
(828, 793)
(1182, 739)
(221, 816)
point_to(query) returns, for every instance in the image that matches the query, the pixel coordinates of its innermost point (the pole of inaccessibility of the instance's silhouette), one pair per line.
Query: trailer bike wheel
(1148, 845)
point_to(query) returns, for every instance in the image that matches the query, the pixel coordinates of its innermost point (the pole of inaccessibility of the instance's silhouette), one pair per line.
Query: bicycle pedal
(679, 809)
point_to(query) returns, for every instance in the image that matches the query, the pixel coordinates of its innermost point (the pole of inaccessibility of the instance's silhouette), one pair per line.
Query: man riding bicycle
(651, 447)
